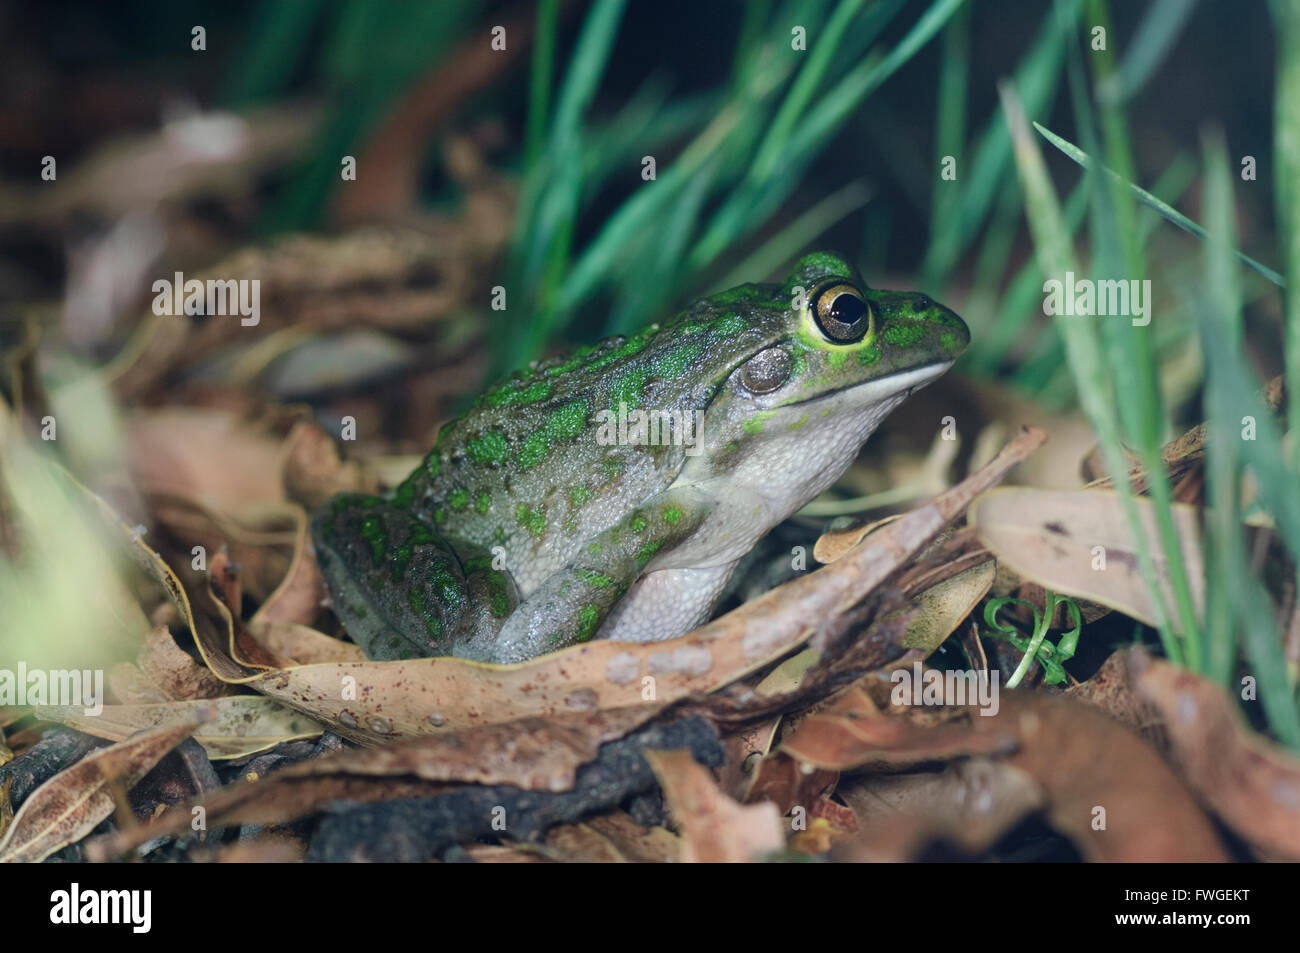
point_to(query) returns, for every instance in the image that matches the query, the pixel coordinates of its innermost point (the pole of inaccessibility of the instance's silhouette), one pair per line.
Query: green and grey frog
(526, 530)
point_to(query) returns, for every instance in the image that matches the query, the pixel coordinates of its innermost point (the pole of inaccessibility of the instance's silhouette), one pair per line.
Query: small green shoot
(1036, 646)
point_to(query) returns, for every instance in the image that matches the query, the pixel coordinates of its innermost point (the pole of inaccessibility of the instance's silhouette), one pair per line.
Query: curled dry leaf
(173, 671)
(300, 594)
(1083, 762)
(939, 609)
(312, 469)
(714, 828)
(1086, 763)
(1057, 538)
(851, 733)
(68, 806)
(1253, 785)
(971, 803)
(238, 725)
(303, 644)
(208, 455)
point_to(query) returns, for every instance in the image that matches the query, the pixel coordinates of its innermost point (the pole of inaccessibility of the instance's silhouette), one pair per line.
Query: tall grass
(1115, 368)
(746, 154)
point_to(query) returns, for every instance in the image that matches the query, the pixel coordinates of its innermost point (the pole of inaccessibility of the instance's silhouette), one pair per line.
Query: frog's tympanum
(610, 493)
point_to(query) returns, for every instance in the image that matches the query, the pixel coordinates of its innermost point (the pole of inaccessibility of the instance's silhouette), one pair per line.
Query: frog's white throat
(788, 467)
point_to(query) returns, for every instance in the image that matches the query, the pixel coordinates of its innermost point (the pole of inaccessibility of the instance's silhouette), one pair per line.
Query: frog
(609, 492)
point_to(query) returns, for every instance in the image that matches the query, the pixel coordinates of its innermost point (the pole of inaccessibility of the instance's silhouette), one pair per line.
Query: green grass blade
(1146, 198)
(1286, 153)
(1152, 41)
(1226, 560)
(1056, 257)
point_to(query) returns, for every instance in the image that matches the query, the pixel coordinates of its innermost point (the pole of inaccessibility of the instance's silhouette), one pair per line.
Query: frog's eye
(842, 314)
(767, 370)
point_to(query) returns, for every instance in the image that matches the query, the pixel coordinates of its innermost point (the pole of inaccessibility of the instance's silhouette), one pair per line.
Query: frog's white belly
(786, 469)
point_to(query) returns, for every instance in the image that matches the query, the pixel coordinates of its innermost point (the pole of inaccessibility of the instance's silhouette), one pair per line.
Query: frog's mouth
(896, 386)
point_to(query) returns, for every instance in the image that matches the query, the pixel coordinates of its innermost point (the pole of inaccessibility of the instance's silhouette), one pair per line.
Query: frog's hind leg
(666, 603)
(401, 588)
(572, 603)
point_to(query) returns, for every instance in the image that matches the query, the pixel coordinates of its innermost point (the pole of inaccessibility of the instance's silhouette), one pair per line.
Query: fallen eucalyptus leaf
(69, 806)
(240, 725)
(1080, 543)
(1253, 785)
(715, 829)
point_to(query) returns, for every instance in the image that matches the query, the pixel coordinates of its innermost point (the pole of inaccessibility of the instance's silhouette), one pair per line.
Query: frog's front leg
(402, 589)
(572, 603)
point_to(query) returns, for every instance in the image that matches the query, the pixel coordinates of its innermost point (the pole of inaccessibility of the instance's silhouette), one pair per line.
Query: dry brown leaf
(312, 470)
(745, 750)
(938, 610)
(1083, 760)
(1253, 785)
(68, 806)
(301, 593)
(174, 672)
(302, 644)
(1051, 537)
(828, 823)
(238, 724)
(971, 803)
(851, 733)
(207, 455)
(714, 828)
(833, 544)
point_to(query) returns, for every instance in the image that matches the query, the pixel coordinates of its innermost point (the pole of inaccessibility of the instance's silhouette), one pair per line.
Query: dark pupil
(848, 309)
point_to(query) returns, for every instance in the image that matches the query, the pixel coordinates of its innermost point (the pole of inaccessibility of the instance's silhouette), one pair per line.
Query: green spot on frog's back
(533, 520)
(563, 423)
(458, 499)
(729, 325)
(627, 389)
(488, 448)
(483, 502)
(507, 396)
(404, 495)
(372, 531)
(588, 621)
